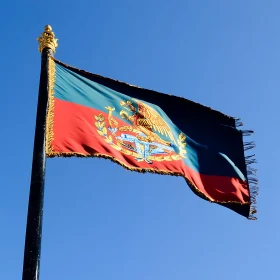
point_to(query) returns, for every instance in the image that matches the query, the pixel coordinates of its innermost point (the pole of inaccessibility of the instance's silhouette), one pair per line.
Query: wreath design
(134, 142)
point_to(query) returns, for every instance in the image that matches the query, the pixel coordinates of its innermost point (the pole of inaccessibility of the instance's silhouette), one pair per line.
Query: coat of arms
(148, 138)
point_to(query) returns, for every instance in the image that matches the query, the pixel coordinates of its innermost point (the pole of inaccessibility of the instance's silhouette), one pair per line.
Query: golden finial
(47, 39)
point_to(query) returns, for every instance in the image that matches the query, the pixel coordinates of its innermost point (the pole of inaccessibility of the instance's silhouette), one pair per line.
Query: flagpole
(32, 251)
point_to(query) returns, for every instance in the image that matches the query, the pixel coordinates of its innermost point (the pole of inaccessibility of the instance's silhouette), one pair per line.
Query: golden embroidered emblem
(148, 138)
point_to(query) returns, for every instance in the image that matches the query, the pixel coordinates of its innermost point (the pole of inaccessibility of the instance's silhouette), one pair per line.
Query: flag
(147, 131)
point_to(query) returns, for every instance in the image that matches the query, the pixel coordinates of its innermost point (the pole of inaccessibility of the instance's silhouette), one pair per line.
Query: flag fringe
(249, 145)
(50, 110)
(247, 132)
(251, 172)
(238, 122)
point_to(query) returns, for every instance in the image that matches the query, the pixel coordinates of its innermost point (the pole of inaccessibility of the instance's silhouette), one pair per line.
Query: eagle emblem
(148, 137)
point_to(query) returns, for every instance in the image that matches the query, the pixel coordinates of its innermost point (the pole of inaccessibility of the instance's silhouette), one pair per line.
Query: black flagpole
(32, 252)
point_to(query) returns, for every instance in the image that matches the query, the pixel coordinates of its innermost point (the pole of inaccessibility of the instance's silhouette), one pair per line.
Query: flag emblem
(148, 138)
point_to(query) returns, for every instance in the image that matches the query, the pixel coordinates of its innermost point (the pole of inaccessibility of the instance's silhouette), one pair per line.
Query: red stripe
(75, 132)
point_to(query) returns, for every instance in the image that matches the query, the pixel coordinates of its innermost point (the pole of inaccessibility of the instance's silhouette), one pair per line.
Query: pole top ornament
(47, 39)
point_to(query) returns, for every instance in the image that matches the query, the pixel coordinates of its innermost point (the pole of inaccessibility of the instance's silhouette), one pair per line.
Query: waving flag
(147, 131)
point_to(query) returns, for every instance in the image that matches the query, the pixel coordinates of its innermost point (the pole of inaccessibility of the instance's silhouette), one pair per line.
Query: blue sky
(104, 222)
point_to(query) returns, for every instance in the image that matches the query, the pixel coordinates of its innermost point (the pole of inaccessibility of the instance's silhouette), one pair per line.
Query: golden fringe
(50, 110)
(142, 170)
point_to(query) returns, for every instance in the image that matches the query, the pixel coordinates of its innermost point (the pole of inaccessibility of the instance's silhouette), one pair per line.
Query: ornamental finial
(47, 39)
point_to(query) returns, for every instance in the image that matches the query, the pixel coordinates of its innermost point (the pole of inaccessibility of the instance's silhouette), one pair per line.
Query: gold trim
(50, 111)
(142, 170)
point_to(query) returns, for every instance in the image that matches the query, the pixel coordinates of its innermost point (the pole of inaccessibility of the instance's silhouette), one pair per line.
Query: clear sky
(102, 221)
